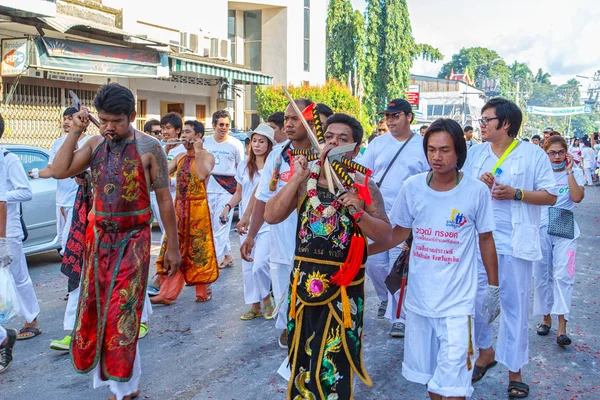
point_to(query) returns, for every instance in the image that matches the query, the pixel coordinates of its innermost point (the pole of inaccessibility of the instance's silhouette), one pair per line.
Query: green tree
(340, 40)
(391, 50)
(542, 77)
(482, 64)
(568, 93)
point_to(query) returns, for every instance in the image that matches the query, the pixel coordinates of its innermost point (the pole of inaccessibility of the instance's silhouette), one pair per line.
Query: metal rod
(178, 142)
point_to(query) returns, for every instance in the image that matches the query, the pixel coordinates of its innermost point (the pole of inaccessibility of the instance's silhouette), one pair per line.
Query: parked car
(39, 213)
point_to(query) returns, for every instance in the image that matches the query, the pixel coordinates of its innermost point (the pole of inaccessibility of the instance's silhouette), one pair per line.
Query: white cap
(266, 131)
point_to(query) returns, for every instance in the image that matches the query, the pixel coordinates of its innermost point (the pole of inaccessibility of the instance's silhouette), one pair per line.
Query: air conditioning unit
(220, 48)
(188, 41)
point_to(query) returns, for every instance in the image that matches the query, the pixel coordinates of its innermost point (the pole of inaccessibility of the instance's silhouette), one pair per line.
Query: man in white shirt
(66, 189)
(8, 337)
(411, 161)
(469, 137)
(18, 191)
(588, 157)
(228, 152)
(521, 180)
(275, 175)
(447, 213)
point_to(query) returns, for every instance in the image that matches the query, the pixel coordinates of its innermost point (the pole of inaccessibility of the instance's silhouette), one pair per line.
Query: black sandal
(543, 329)
(563, 340)
(479, 372)
(517, 390)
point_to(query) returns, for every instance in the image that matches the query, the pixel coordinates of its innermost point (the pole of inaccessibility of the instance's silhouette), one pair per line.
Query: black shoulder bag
(394, 159)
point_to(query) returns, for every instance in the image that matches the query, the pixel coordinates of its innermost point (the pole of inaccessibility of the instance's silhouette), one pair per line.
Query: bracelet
(358, 215)
(522, 195)
(227, 205)
(570, 173)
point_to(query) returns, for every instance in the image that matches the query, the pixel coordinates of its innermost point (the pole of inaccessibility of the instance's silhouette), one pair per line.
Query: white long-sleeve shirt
(18, 190)
(2, 178)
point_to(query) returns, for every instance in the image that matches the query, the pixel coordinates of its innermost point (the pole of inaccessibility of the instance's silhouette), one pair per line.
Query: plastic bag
(9, 305)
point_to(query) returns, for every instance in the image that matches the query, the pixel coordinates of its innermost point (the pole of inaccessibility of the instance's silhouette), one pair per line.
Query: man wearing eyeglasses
(521, 180)
(152, 128)
(411, 161)
(228, 153)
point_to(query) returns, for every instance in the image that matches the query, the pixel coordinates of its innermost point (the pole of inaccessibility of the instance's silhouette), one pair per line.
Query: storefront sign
(559, 111)
(413, 96)
(15, 53)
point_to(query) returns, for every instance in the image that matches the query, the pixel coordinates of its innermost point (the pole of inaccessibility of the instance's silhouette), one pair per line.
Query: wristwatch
(518, 195)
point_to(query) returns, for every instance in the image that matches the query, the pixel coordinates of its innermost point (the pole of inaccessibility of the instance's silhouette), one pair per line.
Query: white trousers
(29, 307)
(554, 275)
(216, 204)
(64, 216)
(280, 277)
(2, 334)
(156, 212)
(121, 389)
(512, 348)
(588, 176)
(257, 276)
(73, 301)
(436, 354)
(378, 268)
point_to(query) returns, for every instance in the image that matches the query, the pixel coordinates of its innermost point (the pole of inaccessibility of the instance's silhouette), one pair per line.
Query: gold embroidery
(301, 380)
(132, 184)
(307, 348)
(316, 284)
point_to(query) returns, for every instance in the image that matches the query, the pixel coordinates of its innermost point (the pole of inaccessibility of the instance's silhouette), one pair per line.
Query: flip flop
(202, 299)
(522, 390)
(250, 315)
(228, 265)
(268, 311)
(563, 340)
(35, 332)
(543, 329)
(479, 372)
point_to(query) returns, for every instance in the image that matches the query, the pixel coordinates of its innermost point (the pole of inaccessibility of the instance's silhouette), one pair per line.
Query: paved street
(204, 351)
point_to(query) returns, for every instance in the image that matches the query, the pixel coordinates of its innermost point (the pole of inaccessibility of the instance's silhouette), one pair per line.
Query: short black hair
(373, 136)
(453, 128)
(172, 118)
(1, 125)
(468, 128)
(525, 140)
(302, 103)
(69, 111)
(277, 119)
(196, 125)
(423, 127)
(324, 109)
(357, 129)
(220, 114)
(148, 125)
(536, 137)
(506, 112)
(115, 99)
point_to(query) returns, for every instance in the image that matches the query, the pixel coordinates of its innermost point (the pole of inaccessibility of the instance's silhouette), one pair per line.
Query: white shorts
(436, 354)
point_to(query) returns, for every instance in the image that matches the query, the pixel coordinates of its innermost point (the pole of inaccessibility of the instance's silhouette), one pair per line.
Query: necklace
(313, 197)
(430, 177)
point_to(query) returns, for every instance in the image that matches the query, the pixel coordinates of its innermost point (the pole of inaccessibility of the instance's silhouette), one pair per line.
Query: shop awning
(221, 69)
(94, 59)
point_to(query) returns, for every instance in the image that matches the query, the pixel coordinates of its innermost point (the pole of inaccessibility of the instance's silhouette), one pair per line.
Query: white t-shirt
(228, 154)
(248, 186)
(283, 234)
(443, 263)
(410, 162)
(542, 177)
(564, 194)
(18, 191)
(173, 178)
(3, 189)
(66, 189)
(588, 157)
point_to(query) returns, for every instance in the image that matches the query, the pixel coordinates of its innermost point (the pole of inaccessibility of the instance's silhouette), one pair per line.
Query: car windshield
(31, 159)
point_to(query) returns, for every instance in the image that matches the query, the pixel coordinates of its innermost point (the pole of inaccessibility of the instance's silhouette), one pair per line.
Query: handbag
(561, 223)
(394, 159)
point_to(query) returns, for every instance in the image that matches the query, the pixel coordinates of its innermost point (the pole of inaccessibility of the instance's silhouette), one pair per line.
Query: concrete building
(190, 57)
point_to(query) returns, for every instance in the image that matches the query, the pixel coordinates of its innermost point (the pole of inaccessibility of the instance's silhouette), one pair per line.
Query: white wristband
(35, 173)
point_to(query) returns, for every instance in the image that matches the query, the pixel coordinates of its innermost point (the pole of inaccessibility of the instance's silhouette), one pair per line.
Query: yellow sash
(506, 153)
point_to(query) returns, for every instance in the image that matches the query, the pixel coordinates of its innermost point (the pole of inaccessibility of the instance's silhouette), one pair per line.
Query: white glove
(34, 173)
(5, 255)
(491, 304)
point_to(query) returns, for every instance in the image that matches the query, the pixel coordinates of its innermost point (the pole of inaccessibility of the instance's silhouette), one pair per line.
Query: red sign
(413, 98)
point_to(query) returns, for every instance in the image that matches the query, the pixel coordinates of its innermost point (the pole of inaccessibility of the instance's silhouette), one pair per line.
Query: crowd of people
(469, 228)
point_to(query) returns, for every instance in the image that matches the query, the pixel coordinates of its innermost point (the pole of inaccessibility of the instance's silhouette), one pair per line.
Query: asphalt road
(204, 351)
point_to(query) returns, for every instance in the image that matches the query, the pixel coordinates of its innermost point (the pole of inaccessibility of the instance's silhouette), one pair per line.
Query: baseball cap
(266, 131)
(397, 105)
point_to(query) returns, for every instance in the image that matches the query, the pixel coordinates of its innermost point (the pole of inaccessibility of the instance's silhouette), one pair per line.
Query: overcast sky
(561, 37)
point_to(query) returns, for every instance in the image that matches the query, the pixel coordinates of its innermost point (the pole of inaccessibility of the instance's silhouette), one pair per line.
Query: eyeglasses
(485, 121)
(157, 132)
(394, 115)
(222, 125)
(561, 153)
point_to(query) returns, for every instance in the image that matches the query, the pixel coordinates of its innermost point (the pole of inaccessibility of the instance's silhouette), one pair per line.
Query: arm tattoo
(377, 209)
(148, 144)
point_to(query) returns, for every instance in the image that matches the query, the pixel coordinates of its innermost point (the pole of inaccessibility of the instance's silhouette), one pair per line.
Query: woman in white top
(554, 275)
(257, 280)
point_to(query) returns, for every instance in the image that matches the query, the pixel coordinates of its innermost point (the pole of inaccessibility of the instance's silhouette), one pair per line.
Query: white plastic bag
(9, 305)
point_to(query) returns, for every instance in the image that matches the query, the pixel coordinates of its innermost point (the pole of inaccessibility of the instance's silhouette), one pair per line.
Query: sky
(562, 38)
